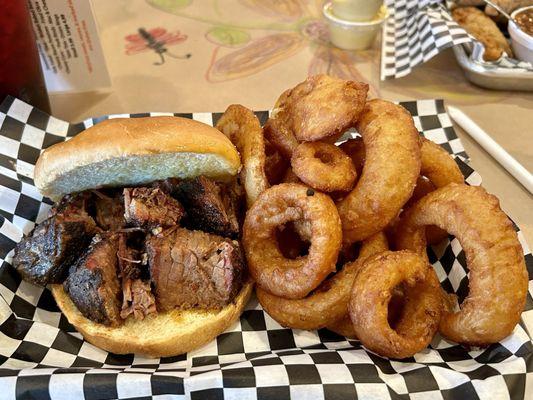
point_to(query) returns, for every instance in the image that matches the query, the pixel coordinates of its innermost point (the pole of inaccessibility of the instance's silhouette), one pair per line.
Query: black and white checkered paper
(43, 357)
(416, 31)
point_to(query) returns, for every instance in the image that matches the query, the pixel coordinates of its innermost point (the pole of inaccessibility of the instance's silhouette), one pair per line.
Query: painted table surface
(249, 51)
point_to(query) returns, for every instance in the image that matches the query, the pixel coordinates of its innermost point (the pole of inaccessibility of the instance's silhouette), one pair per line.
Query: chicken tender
(507, 5)
(483, 29)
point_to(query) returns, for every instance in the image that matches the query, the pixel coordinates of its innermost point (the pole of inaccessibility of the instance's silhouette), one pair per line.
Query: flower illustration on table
(295, 25)
(156, 39)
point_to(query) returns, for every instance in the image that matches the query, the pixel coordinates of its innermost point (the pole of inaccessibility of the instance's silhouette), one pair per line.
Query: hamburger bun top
(134, 151)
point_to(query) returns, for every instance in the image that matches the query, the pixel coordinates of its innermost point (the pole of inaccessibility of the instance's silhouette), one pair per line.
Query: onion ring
(323, 166)
(423, 187)
(498, 278)
(437, 169)
(343, 327)
(242, 127)
(275, 165)
(434, 234)
(290, 177)
(318, 108)
(371, 293)
(437, 165)
(291, 244)
(355, 149)
(329, 302)
(280, 136)
(276, 206)
(303, 228)
(387, 181)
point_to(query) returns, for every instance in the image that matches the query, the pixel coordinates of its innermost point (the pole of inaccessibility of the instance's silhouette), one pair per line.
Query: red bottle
(20, 67)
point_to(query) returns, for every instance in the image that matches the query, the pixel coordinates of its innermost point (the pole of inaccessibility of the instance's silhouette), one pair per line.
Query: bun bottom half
(162, 335)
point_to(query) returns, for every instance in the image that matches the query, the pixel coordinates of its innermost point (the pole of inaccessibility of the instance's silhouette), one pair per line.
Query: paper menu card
(67, 37)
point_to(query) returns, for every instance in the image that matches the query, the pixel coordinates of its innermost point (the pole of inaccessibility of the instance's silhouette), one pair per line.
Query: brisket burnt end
(151, 207)
(109, 210)
(169, 185)
(93, 284)
(54, 245)
(193, 269)
(209, 208)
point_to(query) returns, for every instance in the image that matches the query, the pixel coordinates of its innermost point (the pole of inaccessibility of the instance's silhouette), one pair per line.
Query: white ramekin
(521, 41)
(356, 10)
(349, 35)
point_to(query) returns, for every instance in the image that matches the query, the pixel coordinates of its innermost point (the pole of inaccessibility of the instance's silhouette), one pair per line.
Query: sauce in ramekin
(524, 20)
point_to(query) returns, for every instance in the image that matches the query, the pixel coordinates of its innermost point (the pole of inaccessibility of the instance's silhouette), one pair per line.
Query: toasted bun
(133, 151)
(165, 334)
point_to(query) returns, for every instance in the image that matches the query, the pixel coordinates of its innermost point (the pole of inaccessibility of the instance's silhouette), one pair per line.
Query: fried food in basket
(369, 304)
(355, 149)
(294, 236)
(498, 278)
(323, 166)
(278, 205)
(507, 5)
(328, 303)
(485, 30)
(275, 164)
(392, 165)
(321, 107)
(437, 169)
(242, 127)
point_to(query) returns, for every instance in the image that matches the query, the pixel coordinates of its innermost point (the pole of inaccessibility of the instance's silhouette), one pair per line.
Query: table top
(248, 52)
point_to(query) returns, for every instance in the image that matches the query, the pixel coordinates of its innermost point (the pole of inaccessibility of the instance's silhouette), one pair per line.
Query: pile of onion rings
(300, 235)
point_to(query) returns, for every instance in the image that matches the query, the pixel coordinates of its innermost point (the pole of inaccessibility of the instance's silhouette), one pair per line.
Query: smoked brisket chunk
(193, 269)
(93, 284)
(209, 208)
(169, 185)
(151, 207)
(109, 210)
(137, 297)
(45, 255)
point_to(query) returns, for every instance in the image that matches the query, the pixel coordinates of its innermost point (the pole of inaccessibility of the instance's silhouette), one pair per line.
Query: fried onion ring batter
(275, 165)
(438, 165)
(291, 278)
(318, 108)
(498, 278)
(242, 127)
(389, 175)
(355, 149)
(372, 291)
(329, 302)
(280, 136)
(323, 166)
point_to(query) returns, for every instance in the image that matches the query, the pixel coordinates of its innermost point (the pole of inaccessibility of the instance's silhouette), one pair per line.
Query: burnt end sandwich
(141, 249)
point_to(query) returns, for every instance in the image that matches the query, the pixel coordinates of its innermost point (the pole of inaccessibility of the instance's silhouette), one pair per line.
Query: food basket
(418, 30)
(42, 356)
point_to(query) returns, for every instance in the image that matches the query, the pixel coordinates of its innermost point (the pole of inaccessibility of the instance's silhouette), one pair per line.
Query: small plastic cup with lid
(353, 35)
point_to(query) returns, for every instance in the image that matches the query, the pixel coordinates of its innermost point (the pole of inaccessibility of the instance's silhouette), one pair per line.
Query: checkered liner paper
(42, 356)
(416, 31)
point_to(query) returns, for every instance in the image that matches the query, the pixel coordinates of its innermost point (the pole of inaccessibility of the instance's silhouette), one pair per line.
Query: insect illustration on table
(156, 39)
(252, 35)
